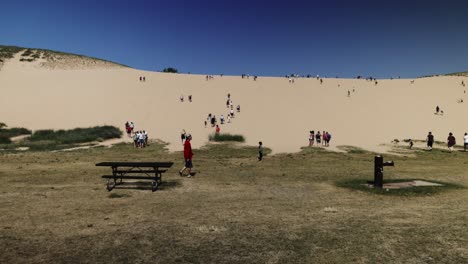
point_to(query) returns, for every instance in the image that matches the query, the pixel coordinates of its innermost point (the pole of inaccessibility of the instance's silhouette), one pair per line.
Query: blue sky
(330, 38)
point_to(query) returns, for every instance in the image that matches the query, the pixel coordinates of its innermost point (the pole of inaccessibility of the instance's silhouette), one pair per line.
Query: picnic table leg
(156, 181)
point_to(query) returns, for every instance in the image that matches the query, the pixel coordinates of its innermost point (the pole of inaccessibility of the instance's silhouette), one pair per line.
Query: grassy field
(54, 208)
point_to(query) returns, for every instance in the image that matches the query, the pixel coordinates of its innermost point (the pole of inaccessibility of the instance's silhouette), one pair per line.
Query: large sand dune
(274, 111)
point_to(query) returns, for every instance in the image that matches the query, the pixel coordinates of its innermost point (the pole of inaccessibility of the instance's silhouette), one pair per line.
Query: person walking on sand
(181, 98)
(311, 138)
(128, 129)
(221, 119)
(451, 141)
(318, 138)
(437, 110)
(183, 135)
(465, 141)
(229, 118)
(217, 129)
(260, 151)
(188, 154)
(190, 98)
(430, 141)
(238, 108)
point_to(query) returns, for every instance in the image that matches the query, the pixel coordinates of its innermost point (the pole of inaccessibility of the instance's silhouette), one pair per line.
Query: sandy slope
(273, 110)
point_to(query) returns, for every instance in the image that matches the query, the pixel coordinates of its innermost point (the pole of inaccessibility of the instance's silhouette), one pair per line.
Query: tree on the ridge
(170, 70)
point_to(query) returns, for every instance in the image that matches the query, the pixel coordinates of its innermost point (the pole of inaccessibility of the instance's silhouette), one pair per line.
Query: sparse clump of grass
(226, 137)
(27, 53)
(77, 135)
(8, 52)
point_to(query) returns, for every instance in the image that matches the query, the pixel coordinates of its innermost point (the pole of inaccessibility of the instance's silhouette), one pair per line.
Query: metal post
(378, 172)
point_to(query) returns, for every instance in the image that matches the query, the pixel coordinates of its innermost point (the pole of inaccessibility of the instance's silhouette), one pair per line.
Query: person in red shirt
(188, 154)
(217, 129)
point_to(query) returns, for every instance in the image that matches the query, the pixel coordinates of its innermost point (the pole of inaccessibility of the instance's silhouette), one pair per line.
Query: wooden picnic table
(136, 171)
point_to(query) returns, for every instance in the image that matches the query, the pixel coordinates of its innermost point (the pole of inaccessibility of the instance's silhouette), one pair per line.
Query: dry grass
(286, 209)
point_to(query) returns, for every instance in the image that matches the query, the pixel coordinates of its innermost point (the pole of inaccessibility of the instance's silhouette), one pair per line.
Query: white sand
(272, 110)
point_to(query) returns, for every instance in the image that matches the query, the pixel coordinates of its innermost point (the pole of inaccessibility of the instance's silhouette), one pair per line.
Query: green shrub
(226, 137)
(4, 140)
(77, 135)
(14, 132)
(170, 70)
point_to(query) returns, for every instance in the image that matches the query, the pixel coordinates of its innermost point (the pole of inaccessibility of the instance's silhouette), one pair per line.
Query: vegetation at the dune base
(220, 137)
(77, 135)
(170, 70)
(45, 140)
(14, 132)
(284, 209)
(4, 140)
(7, 133)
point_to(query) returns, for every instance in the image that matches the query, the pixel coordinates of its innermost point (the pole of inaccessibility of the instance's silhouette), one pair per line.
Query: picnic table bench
(135, 170)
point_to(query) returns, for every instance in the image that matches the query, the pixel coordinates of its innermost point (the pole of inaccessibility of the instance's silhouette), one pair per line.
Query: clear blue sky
(330, 38)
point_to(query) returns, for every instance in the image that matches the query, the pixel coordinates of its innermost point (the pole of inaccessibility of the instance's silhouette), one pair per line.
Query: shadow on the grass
(146, 185)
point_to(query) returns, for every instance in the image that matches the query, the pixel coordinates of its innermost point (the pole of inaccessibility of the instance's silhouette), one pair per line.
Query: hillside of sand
(68, 93)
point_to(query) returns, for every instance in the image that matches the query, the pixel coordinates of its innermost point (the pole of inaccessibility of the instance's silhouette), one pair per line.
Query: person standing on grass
(311, 138)
(324, 139)
(430, 141)
(188, 154)
(217, 129)
(135, 140)
(260, 151)
(451, 141)
(146, 137)
(465, 141)
(328, 139)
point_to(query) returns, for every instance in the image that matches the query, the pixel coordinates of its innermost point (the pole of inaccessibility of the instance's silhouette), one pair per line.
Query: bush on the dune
(226, 137)
(170, 70)
(77, 135)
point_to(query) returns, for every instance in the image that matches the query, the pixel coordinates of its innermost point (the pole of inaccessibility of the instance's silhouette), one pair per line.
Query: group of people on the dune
(212, 119)
(323, 138)
(181, 98)
(140, 138)
(142, 79)
(451, 141)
